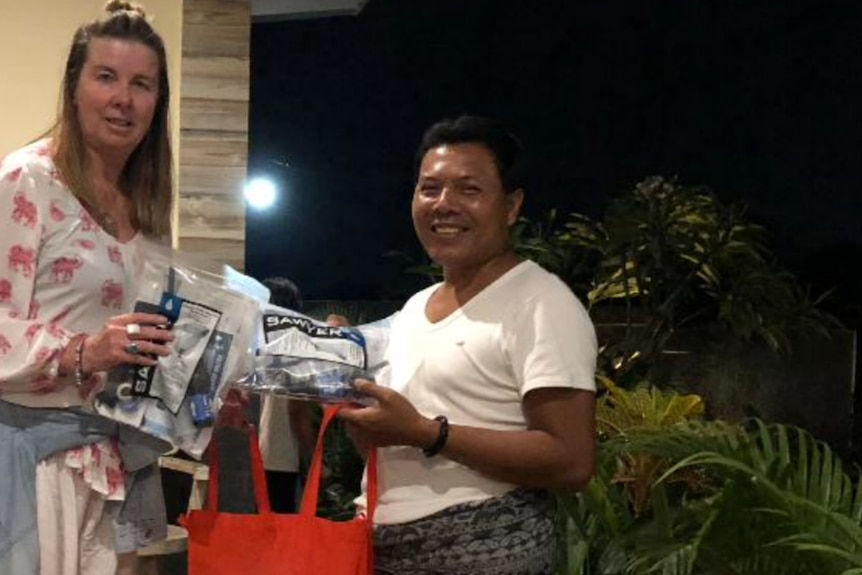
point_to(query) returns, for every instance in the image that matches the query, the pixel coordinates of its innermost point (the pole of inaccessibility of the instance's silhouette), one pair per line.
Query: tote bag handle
(258, 475)
(312, 487)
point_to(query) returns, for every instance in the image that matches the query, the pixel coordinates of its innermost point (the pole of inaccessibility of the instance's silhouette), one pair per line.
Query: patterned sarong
(511, 534)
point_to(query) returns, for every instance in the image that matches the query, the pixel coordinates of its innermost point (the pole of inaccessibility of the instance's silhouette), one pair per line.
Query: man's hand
(392, 421)
(337, 320)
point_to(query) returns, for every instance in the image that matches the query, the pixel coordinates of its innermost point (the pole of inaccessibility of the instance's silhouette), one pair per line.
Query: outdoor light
(260, 193)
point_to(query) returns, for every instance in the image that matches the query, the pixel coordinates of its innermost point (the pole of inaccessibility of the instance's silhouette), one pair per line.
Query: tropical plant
(667, 256)
(343, 468)
(774, 501)
(646, 407)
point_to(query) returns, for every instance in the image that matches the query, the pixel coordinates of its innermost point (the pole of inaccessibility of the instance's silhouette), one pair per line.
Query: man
(489, 403)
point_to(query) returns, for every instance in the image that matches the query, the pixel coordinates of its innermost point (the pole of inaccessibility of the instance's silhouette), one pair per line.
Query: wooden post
(214, 129)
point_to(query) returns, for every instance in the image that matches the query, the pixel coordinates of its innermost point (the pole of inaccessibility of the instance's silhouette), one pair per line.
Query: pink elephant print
(31, 332)
(55, 330)
(14, 175)
(96, 456)
(33, 311)
(5, 291)
(88, 245)
(22, 259)
(57, 214)
(63, 269)
(5, 346)
(112, 294)
(116, 479)
(43, 384)
(25, 210)
(88, 224)
(115, 254)
(44, 355)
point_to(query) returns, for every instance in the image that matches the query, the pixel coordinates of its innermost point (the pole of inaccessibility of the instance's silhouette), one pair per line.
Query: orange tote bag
(268, 543)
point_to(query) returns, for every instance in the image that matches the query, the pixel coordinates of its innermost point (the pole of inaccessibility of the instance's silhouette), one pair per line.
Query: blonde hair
(146, 179)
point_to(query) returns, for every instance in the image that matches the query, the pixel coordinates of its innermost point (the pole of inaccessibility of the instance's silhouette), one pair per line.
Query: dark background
(760, 101)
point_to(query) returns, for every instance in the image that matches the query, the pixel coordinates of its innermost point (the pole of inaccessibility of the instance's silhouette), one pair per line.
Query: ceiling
(263, 10)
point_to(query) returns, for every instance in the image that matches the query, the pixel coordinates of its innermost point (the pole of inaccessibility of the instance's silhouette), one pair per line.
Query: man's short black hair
(507, 151)
(284, 293)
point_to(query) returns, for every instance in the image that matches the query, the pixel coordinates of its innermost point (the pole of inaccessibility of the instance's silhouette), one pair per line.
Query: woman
(76, 208)
(490, 400)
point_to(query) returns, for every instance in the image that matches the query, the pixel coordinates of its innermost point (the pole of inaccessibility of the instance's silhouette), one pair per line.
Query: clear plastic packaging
(304, 358)
(214, 325)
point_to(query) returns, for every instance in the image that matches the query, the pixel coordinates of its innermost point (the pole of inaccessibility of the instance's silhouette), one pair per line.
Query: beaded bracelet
(442, 436)
(79, 360)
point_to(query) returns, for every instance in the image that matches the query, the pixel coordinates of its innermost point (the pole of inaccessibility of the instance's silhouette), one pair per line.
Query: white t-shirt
(524, 331)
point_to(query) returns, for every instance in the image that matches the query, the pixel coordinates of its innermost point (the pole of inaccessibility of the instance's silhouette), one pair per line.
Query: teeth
(447, 230)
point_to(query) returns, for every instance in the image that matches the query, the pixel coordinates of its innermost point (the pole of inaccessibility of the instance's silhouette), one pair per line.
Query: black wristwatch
(442, 436)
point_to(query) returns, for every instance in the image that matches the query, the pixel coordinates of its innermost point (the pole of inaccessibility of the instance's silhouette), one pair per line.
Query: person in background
(288, 430)
(76, 208)
(278, 440)
(489, 402)
(301, 414)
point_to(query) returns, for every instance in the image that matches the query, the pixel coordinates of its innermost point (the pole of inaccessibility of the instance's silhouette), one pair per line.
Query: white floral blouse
(60, 274)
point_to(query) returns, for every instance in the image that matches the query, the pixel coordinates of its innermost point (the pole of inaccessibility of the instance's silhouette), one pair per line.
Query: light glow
(260, 193)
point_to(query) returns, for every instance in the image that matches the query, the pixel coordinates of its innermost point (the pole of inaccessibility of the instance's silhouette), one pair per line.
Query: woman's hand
(393, 421)
(127, 339)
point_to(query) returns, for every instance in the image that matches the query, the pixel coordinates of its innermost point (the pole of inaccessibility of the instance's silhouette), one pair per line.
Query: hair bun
(114, 6)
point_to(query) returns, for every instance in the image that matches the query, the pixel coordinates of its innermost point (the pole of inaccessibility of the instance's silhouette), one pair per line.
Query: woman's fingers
(133, 338)
(140, 318)
(144, 333)
(144, 347)
(138, 359)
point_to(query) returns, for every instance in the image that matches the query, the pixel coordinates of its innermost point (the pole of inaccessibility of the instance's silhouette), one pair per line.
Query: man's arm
(556, 451)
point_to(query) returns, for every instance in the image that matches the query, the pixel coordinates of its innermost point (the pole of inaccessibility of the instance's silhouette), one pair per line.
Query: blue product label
(142, 376)
(207, 378)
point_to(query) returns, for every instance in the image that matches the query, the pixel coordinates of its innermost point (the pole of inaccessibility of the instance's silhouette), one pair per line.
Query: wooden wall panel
(214, 40)
(220, 115)
(214, 148)
(216, 13)
(214, 128)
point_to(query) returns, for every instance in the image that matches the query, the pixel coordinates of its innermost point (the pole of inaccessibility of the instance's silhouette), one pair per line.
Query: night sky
(760, 101)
